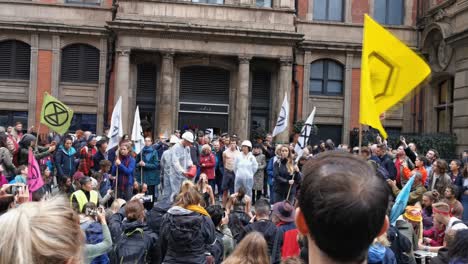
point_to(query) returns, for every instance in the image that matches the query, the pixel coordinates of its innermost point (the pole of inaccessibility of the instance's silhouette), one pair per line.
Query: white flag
(305, 135)
(137, 133)
(116, 129)
(283, 118)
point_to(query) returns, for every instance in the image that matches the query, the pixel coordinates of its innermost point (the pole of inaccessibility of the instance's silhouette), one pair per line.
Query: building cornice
(187, 31)
(53, 28)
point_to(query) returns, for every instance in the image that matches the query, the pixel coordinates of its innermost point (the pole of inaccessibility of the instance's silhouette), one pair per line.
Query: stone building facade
(225, 64)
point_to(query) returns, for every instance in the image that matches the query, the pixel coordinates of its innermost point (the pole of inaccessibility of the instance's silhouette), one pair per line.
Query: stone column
(460, 102)
(101, 92)
(347, 97)
(165, 113)
(56, 55)
(285, 80)
(242, 115)
(122, 86)
(32, 93)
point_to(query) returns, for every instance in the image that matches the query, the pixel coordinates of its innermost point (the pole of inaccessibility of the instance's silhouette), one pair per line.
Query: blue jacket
(126, 168)
(151, 171)
(65, 162)
(270, 170)
(98, 157)
(379, 254)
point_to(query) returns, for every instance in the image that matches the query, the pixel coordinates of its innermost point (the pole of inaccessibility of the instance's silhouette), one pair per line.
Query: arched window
(328, 10)
(15, 60)
(80, 64)
(326, 78)
(390, 12)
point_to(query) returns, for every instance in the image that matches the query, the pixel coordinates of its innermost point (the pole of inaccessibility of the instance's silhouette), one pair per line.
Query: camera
(93, 211)
(14, 189)
(147, 199)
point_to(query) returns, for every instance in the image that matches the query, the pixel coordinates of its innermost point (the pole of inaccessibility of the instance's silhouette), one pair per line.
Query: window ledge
(238, 6)
(14, 80)
(79, 84)
(346, 24)
(333, 97)
(64, 5)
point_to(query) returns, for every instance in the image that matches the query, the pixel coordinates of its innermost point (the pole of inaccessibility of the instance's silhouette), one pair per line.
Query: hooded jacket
(24, 144)
(185, 236)
(155, 215)
(151, 241)
(379, 254)
(442, 257)
(65, 162)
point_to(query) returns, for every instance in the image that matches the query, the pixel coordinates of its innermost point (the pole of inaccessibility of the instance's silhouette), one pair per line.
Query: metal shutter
(80, 64)
(204, 84)
(261, 90)
(260, 104)
(15, 59)
(146, 86)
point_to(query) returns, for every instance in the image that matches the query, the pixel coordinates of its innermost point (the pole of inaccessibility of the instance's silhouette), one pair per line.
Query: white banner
(283, 118)
(137, 133)
(305, 134)
(116, 128)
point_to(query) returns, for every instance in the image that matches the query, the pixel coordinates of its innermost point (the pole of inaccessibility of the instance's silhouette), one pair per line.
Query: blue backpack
(94, 236)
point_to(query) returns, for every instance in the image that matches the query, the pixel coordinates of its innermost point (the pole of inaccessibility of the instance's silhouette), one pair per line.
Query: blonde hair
(206, 146)
(252, 249)
(188, 195)
(382, 240)
(30, 233)
(289, 164)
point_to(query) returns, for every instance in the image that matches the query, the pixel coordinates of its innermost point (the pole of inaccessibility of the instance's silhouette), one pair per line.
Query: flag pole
(37, 137)
(290, 186)
(360, 138)
(117, 175)
(141, 168)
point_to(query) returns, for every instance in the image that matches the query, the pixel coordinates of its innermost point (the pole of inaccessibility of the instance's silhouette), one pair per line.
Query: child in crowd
(21, 175)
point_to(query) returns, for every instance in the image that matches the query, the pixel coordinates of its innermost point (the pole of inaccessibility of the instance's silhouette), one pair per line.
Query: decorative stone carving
(244, 59)
(444, 54)
(123, 52)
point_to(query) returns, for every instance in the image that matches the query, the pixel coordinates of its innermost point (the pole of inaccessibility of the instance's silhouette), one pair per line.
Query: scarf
(148, 152)
(197, 209)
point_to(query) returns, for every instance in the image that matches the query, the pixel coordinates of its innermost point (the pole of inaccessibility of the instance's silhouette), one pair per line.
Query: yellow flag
(55, 114)
(389, 71)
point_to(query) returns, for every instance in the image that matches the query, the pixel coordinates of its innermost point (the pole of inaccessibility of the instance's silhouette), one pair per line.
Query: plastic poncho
(180, 162)
(165, 164)
(245, 167)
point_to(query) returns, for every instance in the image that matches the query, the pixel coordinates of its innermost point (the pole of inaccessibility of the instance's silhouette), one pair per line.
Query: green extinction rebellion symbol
(56, 114)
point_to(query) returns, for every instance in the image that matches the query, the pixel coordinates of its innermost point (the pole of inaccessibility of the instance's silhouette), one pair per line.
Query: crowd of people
(194, 198)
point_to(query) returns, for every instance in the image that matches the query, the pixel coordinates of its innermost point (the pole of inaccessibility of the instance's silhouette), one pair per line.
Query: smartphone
(402, 138)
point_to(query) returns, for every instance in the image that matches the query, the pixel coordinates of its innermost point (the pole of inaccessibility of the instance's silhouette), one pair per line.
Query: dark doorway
(204, 98)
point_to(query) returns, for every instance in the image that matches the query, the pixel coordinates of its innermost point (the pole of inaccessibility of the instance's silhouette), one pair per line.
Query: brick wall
(300, 93)
(359, 8)
(303, 8)
(44, 82)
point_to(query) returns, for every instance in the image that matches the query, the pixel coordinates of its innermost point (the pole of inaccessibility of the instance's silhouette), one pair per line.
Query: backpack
(132, 247)
(94, 236)
(399, 245)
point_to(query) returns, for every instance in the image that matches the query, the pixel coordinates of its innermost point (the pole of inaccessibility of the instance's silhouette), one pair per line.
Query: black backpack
(399, 245)
(132, 247)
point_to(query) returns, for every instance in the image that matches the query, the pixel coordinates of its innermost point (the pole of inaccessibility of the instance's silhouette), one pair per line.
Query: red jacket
(290, 246)
(210, 163)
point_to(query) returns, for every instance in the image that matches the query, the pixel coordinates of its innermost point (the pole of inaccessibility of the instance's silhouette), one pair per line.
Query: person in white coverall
(245, 167)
